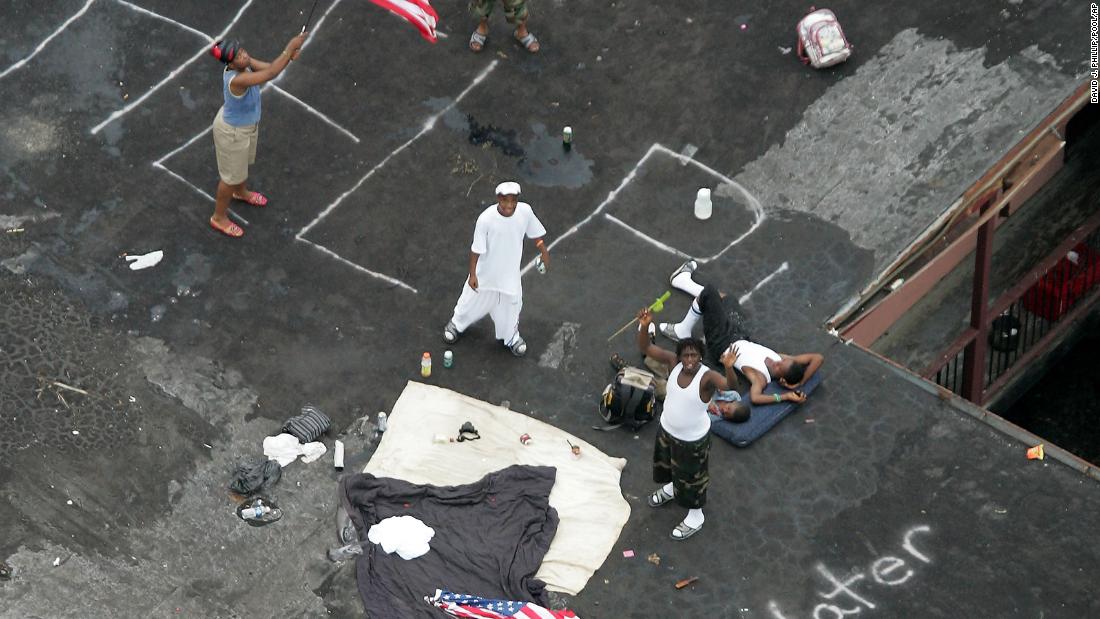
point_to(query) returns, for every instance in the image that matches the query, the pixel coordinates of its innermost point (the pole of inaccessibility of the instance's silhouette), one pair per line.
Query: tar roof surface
(377, 151)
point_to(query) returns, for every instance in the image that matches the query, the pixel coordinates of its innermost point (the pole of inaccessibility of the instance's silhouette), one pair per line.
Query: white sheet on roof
(586, 494)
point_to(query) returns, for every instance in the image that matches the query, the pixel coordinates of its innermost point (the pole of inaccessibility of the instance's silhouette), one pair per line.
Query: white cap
(509, 188)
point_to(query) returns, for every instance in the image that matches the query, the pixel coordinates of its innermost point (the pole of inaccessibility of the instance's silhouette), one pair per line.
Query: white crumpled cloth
(285, 449)
(406, 535)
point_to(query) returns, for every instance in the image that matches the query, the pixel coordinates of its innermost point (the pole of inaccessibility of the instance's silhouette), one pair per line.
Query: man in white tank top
(682, 448)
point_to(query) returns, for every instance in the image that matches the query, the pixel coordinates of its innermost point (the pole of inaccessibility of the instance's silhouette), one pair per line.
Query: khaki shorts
(235, 148)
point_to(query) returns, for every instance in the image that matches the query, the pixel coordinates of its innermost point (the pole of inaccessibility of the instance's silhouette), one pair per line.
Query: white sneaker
(668, 330)
(518, 347)
(688, 267)
(450, 333)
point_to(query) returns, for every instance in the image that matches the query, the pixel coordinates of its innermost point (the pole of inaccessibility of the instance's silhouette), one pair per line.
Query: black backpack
(630, 399)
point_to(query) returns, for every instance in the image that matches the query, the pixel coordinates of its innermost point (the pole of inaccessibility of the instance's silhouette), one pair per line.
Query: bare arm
(543, 252)
(257, 65)
(723, 382)
(648, 348)
(473, 269)
(271, 70)
(811, 360)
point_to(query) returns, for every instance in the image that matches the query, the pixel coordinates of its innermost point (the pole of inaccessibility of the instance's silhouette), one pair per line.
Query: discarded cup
(338, 455)
(525, 438)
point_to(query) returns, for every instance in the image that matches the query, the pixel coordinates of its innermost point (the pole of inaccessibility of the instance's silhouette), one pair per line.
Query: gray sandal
(477, 39)
(659, 498)
(528, 42)
(685, 531)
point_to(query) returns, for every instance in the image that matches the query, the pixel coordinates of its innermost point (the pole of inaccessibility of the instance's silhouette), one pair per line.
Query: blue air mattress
(763, 418)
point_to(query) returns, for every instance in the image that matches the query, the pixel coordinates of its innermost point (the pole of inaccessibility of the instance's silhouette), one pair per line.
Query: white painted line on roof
(171, 75)
(184, 181)
(757, 209)
(185, 145)
(561, 346)
(599, 209)
(309, 109)
(338, 257)
(43, 44)
(745, 297)
(645, 237)
(428, 125)
(163, 18)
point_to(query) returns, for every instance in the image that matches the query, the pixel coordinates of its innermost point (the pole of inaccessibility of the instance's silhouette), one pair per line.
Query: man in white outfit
(493, 286)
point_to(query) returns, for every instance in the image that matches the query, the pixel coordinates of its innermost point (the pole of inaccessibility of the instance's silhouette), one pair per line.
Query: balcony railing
(1010, 333)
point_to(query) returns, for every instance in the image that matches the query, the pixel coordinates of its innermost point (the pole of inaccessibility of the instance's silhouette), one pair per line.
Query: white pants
(504, 309)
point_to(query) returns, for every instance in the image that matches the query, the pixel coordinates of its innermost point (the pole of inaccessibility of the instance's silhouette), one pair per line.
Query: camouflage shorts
(685, 464)
(513, 9)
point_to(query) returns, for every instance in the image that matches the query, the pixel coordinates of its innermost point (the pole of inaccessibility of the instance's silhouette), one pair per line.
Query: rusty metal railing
(1008, 334)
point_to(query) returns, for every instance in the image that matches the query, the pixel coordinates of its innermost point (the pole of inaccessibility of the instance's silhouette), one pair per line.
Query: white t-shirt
(751, 354)
(499, 242)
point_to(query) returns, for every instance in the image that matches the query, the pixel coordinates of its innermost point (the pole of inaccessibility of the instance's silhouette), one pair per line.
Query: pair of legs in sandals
(516, 13)
(682, 466)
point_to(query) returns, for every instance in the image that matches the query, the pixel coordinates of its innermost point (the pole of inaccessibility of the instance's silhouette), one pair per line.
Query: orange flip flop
(232, 229)
(255, 199)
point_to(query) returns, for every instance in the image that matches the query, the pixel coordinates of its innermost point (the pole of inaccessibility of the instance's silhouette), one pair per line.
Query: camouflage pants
(513, 9)
(685, 464)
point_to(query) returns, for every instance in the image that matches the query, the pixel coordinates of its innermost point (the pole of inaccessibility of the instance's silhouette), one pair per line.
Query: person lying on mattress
(760, 364)
(724, 326)
(728, 406)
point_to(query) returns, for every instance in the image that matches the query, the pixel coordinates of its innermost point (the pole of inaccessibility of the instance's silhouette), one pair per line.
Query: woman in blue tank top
(236, 126)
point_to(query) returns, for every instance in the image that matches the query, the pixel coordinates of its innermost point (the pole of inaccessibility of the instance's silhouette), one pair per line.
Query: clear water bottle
(448, 359)
(382, 425)
(256, 511)
(426, 365)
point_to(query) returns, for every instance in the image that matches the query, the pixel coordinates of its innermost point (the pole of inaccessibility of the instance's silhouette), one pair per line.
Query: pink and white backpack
(821, 42)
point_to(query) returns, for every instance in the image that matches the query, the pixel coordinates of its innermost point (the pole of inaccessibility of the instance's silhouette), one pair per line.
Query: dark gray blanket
(490, 538)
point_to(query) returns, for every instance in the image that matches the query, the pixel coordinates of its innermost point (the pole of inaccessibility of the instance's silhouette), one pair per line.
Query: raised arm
(725, 381)
(271, 70)
(648, 348)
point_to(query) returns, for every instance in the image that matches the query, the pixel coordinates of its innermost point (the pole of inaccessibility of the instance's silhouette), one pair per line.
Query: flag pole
(310, 17)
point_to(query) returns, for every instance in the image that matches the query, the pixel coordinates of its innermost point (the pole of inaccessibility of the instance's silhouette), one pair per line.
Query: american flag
(459, 605)
(417, 12)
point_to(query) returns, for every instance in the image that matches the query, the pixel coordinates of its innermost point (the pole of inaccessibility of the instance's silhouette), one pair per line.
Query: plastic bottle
(448, 359)
(540, 266)
(382, 425)
(567, 138)
(703, 204)
(338, 455)
(256, 511)
(426, 365)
